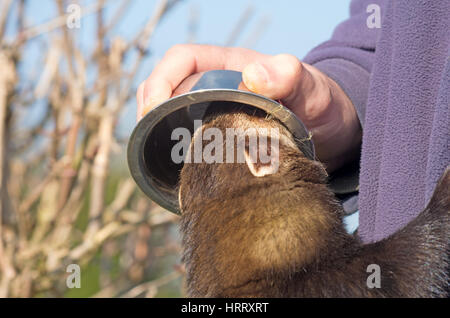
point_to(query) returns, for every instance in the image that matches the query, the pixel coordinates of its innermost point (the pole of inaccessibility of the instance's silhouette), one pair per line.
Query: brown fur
(282, 235)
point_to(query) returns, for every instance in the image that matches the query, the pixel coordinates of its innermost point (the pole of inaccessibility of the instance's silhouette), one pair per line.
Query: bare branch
(257, 32)
(4, 11)
(57, 22)
(152, 285)
(239, 26)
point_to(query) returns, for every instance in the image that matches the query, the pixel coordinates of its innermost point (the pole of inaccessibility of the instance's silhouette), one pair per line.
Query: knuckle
(178, 49)
(150, 85)
(319, 104)
(325, 93)
(294, 66)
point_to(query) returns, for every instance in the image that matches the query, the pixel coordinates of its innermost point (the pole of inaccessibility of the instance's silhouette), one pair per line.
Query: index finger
(182, 61)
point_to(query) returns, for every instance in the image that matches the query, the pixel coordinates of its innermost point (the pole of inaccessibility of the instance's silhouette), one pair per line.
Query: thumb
(275, 77)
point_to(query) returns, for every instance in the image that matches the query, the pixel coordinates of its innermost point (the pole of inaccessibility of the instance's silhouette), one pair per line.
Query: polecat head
(238, 147)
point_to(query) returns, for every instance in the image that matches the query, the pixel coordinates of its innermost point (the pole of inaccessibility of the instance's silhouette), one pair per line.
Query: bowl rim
(142, 130)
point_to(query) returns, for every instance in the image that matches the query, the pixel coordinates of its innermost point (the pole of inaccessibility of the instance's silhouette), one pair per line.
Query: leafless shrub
(61, 200)
(63, 196)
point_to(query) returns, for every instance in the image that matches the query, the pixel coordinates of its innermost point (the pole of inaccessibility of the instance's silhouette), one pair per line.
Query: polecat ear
(265, 160)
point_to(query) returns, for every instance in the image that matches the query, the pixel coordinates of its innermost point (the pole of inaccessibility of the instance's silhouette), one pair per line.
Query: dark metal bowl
(149, 147)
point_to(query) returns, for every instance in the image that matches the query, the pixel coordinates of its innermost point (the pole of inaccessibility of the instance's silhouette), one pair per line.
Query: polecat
(281, 234)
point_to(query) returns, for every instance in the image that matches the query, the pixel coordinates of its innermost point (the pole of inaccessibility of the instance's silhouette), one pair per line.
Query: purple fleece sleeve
(348, 56)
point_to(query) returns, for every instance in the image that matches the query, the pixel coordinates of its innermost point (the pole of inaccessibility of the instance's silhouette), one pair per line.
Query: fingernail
(146, 109)
(150, 102)
(255, 76)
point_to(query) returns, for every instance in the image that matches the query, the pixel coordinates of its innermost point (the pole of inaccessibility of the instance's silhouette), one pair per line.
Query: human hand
(316, 99)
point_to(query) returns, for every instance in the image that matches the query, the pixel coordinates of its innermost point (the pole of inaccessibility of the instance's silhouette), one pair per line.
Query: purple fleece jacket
(398, 78)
